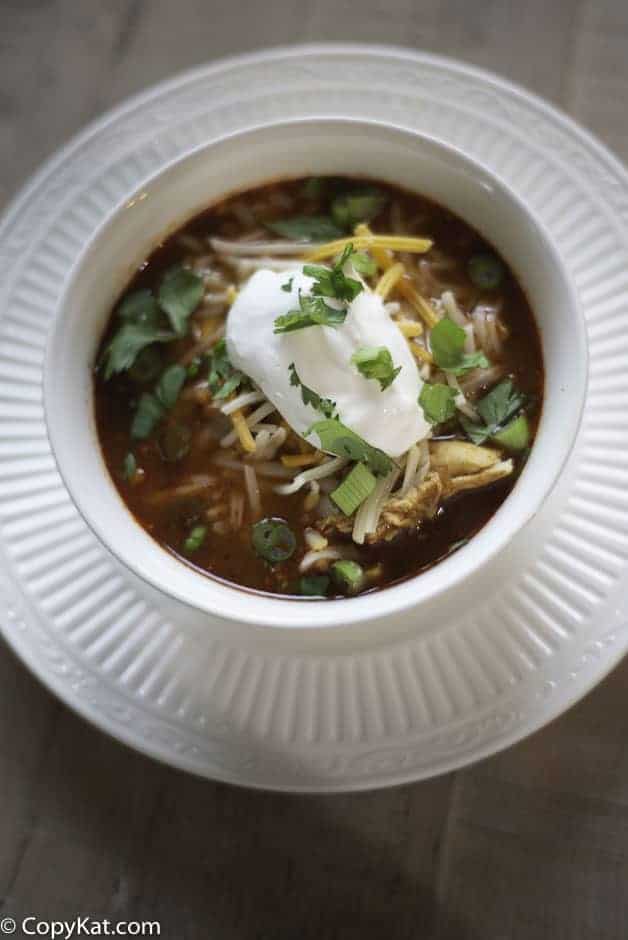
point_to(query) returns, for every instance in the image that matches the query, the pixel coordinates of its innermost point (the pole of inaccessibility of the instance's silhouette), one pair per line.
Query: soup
(318, 387)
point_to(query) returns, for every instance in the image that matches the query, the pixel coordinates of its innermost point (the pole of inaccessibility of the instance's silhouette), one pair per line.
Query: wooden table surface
(529, 845)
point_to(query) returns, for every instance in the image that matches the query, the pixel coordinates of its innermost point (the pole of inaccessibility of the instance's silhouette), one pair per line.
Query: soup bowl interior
(302, 148)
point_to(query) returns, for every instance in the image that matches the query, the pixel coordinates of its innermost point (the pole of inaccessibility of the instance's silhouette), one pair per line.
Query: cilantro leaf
(287, 286)
(338, 439)
(170, 384)
(148, 414)
(447, 341)
(128, 342)
(357, 206)
(152, 406)
(313, 312)
(500, 403)
(438, 402)
(223, 379)
(180, 293)
(375, 362)
(308, 228)
(139, 307)
(496, 409)
(363, 263)
(326, 406)
(333, 282)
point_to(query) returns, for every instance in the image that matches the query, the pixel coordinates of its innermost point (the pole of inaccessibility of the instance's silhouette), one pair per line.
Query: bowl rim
(313, 613)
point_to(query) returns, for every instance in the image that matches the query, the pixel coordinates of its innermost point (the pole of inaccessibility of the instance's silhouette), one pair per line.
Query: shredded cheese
(420, 353)
(243, 431)
(394, 242)
(300, 460)
(410, 328)
(404, 285)
(232, 293)
(388, 280)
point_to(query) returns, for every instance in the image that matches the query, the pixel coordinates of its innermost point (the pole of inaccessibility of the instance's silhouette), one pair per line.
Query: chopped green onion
(314, 585)
(337, 438)
(349, 575)
(354, 489)
(273, 540)
(485, 271)
(375, 362)
(438, 402)
(515, 436)
(195, 539)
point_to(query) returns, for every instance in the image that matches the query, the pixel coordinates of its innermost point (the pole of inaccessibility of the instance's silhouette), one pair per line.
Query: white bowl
(301, 148)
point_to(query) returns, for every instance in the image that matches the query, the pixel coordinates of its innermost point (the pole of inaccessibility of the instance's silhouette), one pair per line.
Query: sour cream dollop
(391, 420)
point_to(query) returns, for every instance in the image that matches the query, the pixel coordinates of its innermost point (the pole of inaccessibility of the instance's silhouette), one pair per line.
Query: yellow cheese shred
(300, 460)
(393, 242)
(410, 328)
(420, 353)
(243, 431)
(404, 285)
(388, 280)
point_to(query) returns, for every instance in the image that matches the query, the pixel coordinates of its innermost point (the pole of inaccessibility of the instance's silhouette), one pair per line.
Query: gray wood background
(529, 845)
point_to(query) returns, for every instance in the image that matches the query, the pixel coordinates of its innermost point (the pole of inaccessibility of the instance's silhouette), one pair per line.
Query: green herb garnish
(223, 379)
(287, 286)
(338, 439)
(354, 489)
(180, 293)
(326, 406)
(357, 206)
(307, 228)
(515, 435)
(195, 539)
(313, 187)
(128, 343)
(333, 282)
(349, 575)
(314, 585)
(485, 271)
(273, 540)
(447, 341)
(148, 414)
(496, 409)
(375, 362)
(170, 384)
(139, 307)
(152, 406)
(438, 402)
(363, 263)
(313, 312)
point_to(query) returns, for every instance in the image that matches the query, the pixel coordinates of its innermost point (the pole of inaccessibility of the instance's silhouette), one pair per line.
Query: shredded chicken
(455, 466)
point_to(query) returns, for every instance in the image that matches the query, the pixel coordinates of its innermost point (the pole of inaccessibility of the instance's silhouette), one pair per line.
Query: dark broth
(227, 551)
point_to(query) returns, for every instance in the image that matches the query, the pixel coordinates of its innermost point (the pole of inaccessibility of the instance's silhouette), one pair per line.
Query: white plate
(363, 706)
